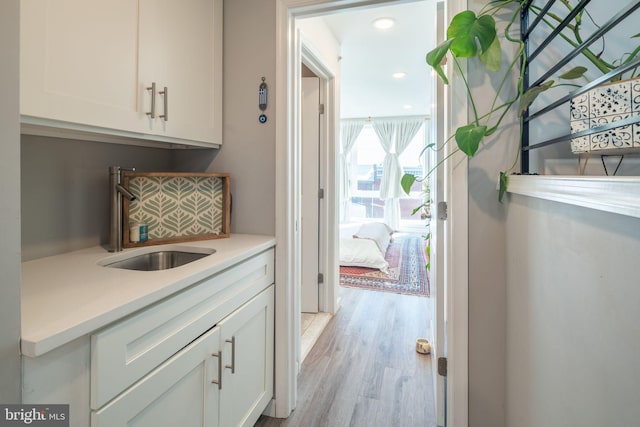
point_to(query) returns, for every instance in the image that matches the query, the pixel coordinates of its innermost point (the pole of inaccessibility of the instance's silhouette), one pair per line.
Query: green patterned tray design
(178, 206)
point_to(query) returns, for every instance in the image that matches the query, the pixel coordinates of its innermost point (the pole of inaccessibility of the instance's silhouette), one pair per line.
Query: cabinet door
(181, 50)
(179, 392)
(247, 340)
(79, 62)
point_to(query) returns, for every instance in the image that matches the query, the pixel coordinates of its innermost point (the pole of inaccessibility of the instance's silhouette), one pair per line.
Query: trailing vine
(472, 35)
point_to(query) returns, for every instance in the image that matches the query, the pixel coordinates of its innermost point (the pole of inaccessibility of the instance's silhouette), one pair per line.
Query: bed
(367, 247)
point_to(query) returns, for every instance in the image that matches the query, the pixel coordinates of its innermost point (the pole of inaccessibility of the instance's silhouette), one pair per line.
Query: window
(366, 169)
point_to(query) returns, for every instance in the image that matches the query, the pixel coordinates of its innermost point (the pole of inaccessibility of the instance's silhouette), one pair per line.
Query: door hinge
(442, 366)
(320, 108)
(321, 193)
(442, 210)
(320, 278)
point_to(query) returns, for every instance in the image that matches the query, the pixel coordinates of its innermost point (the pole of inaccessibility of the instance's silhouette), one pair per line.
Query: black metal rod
(623, 14)
(524, 29)
(536, 21)
(597, 82)
(577, 9)
(527, 4)
(587, 132)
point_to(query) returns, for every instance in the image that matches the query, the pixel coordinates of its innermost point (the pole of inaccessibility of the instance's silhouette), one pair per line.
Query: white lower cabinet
(224, 378)
(201, 357)
(247, 378)
(180, 392)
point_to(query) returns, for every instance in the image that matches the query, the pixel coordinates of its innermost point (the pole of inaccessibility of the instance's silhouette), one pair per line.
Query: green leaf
(504, 180)
(529, 96)
(574, 73)
(427, 250)
(468, 138)
(635, 36)
(407, 181)
(492, 58)
(467, 31)
(435, 57)
(415, 210)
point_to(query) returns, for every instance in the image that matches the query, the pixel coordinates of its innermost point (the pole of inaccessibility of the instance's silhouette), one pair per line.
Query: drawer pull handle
(219, 382)
(152, 113)
(165, 97)
(233, 355)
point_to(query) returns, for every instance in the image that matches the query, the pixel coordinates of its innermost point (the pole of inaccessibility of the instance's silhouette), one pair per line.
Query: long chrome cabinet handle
(165, 96)
(152, 113)
(219, 382)
(233, 355)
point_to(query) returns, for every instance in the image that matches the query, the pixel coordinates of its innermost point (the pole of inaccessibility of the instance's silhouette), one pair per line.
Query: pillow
(362, 253)
(378, 232)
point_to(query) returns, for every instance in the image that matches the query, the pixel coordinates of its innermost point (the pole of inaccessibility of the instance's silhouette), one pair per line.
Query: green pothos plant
(476, 35)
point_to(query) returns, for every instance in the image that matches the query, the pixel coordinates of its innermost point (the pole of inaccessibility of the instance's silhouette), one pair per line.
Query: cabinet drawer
(180, 392)
(123, 353)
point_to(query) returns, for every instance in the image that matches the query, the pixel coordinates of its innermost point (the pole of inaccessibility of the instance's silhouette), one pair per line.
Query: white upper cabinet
(179, 51)
(86, 66)
(79, 62)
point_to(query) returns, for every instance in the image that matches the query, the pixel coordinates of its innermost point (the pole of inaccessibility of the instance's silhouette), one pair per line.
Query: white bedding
(378, 232)
(362, 253)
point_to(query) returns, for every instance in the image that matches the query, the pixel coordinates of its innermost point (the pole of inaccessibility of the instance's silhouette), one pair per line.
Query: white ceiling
(370, 57)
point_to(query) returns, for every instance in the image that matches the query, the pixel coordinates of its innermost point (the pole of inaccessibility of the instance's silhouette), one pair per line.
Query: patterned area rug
(407, 269)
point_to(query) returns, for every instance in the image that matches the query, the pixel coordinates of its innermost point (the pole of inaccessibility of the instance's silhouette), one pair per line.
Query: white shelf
(619, 195)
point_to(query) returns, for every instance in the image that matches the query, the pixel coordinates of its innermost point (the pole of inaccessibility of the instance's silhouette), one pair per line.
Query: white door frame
(457, 252)
(328, 215)
(288, 59)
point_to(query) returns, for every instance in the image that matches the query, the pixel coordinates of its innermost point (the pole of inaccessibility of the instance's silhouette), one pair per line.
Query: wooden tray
(177, 207)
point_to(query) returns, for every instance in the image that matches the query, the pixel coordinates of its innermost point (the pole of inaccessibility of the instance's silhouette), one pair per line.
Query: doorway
(314, 317)
(288, 219)
(313, 42)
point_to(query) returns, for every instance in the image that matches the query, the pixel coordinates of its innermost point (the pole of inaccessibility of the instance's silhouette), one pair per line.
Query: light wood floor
(364, 370)
(311, 325)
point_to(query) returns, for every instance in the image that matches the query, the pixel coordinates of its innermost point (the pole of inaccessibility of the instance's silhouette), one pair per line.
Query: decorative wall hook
(263, 95)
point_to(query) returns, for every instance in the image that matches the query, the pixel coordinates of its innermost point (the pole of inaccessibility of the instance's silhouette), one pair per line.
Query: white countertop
(68, 296)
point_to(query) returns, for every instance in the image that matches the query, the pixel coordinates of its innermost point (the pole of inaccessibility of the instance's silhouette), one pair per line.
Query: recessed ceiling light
(407, 107)
(383, 23)
(399, 75)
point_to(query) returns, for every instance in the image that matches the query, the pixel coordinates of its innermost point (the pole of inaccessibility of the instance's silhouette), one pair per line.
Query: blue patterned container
(144, 232)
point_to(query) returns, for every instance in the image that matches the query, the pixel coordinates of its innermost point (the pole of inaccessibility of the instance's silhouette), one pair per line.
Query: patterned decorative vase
(602, 105)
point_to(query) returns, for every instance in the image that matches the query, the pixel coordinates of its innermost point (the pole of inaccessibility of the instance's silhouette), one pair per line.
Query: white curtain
(406, 130)
(349, 131)
(385, 129)
(395, 136)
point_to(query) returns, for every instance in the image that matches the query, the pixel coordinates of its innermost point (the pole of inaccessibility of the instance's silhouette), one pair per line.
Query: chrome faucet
(116, 191)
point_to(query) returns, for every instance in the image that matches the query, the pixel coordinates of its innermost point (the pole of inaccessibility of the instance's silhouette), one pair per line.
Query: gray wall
(65, 192)
(487, 290)
(553, 297)
(248, 152)
(487, 254)
(573, 334)
(10, 206)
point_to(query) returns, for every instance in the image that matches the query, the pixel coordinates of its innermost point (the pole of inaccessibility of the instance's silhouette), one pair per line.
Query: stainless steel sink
(159, 260)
